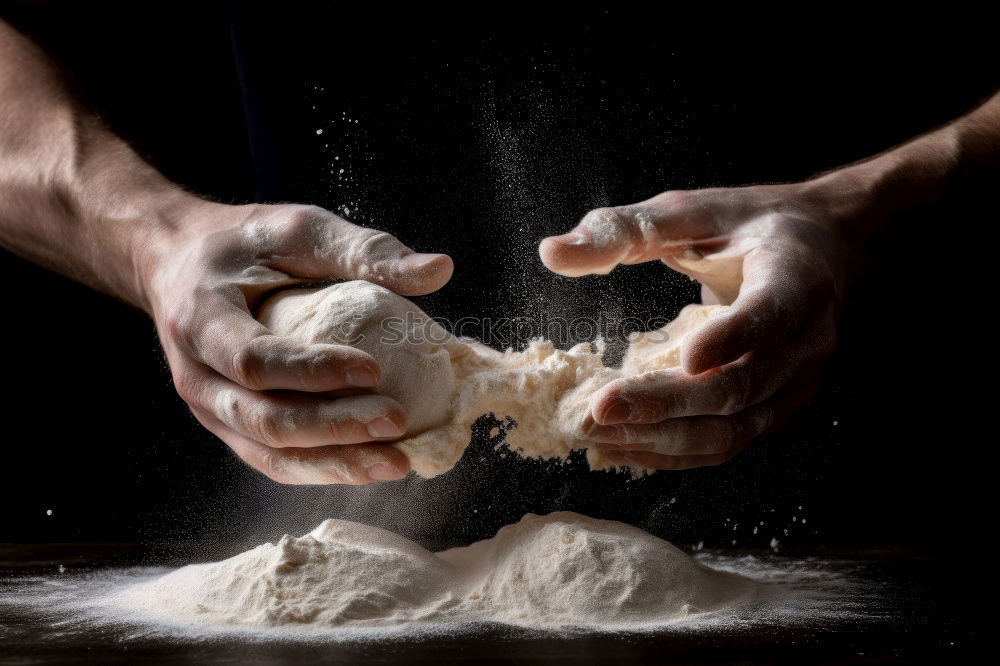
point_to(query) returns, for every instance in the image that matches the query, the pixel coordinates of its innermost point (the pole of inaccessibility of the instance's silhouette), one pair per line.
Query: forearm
(867, 196)
(73, 196)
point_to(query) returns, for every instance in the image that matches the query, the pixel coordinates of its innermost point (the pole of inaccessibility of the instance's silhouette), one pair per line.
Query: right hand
(777, 256)
(264, 395)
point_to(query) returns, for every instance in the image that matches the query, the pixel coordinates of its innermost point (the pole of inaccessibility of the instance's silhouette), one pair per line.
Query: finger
(353, 464)
(710, 435)
(221, 333)
(311, 242)
(780, 290)
(660, 462)
(673, 393)
(645, 231)
(643, 460)
(292, 420)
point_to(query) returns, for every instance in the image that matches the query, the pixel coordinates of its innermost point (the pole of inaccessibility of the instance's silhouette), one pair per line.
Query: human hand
(776, 255)
(266, 396)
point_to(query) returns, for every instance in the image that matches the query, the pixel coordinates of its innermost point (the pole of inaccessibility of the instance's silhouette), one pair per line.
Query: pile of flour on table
(558, 570)
(445, 383)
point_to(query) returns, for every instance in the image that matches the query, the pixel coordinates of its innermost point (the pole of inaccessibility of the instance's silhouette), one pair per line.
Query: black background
(477, 134)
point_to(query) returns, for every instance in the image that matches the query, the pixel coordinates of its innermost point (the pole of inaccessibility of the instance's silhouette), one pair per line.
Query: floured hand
(268, 397)
(771, 253)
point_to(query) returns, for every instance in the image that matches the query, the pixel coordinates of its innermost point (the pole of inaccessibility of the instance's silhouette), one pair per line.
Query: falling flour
(559, 570)
(445, 383)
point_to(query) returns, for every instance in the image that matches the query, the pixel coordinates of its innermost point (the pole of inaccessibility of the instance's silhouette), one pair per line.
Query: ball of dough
(411, 349)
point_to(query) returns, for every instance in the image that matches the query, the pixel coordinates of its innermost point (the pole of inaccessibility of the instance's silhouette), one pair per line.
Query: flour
(444, 383)
(558, 570)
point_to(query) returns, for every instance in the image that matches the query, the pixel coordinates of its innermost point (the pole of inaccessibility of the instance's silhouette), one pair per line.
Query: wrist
(862, 199)
(158, 234)
(160, 248)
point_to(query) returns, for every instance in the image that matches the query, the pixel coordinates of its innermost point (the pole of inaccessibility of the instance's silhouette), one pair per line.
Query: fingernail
(603, 432)
(417, 260)
(619, 412)
(383, 427)
(360, 376)
(382, 472)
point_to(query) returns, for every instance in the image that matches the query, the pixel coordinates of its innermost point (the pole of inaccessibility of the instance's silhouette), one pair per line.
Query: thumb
(606, 237)
(379, 257)
(313, 243)
(602, 240)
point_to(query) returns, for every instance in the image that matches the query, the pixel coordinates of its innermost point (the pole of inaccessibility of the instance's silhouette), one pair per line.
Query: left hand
(777, 257)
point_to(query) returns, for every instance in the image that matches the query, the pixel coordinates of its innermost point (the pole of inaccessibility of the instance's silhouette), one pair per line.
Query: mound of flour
(551, 571)
(445, 383)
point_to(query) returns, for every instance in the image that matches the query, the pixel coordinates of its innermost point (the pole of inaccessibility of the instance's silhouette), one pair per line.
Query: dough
(410, 348)
(445, 384)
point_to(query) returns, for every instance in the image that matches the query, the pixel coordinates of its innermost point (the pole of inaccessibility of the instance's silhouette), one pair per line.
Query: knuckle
(373, 243)
(176, 325)
(182, 322)
(271, 464)
(651, 405)
(718, 434)
(629, 437)
(339, 429)
(670, 443)
(601, 217)
(246, 367)
(738, 384)
(302, 220)
(267, 426)
(663, 437)
(618, 227)
(188, 387)
(305, 214)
